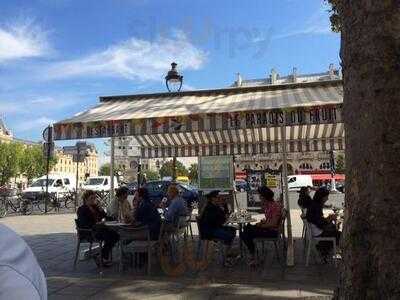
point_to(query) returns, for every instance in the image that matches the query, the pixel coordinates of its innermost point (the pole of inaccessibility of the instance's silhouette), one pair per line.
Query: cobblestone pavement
(53, 240)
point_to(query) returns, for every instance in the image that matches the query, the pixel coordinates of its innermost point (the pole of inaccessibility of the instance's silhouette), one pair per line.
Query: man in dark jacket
(147, 214)
(90, 216)
(213, 219)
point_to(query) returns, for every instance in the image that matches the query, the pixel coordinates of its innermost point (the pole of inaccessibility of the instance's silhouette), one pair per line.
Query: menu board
(216, 173)
(272, 181)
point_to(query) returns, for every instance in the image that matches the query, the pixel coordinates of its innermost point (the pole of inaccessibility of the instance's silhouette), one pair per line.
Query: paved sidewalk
(52, 239)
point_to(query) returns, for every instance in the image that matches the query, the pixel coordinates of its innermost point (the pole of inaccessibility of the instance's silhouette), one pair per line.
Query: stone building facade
(298, 163)
(127, 158)
(5, 134)
(66, 165)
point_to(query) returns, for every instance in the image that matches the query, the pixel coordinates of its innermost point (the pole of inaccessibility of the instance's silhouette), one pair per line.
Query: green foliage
(193, 172)
(151, 175)
(16, 159)
(340, 164)
(10, 157)
(105, 170)
(167, 169)
(33, 162)
(334, 10)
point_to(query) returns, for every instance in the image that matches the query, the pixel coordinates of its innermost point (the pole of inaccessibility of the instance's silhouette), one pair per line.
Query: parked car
(132, 187)
(242, 185)
(296, 182)
(99, 184)
(58, 184)
(158, 190)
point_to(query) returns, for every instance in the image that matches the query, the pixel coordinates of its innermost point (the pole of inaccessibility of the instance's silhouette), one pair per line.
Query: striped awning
(224, 121)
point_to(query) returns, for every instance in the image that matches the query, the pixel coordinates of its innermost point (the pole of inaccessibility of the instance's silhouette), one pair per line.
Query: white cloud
(35, 104)
(134, 59)
(40, 122)
(22, 40)
(317, 24)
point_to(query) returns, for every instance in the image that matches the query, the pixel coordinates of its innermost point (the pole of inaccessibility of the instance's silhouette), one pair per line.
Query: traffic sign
(78, 157)
(48, 134)
(48, 150)
(81, 146)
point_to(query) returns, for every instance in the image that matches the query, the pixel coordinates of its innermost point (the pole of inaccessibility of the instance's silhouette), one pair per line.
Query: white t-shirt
(20, 274)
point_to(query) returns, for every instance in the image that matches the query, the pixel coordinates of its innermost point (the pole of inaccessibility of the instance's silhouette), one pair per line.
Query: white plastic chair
(312, 241)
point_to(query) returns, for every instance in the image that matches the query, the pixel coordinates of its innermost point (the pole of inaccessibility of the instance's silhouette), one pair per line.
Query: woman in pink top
(266, 228)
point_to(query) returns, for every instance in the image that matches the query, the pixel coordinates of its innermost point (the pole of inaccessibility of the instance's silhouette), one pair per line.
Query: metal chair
(85, 235)
(136, 240)
(312, 241)
(203, 243)
(304, 230)
(280, 238)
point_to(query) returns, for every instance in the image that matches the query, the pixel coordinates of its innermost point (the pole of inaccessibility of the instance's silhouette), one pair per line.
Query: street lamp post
(173, 80)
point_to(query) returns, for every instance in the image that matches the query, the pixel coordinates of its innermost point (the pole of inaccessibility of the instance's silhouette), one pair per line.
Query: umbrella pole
(290, 246)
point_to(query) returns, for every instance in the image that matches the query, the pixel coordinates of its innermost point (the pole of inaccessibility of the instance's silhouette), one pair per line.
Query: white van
(296, 182)
(99, 184)
(58, 184)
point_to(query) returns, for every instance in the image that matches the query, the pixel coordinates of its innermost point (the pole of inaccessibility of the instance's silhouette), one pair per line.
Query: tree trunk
(371, 68)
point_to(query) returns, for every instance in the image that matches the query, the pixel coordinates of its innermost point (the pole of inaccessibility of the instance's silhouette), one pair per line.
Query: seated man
(146, 213)
(267, 228)
(90, 216)
(321, 226)
(177, 206)
(213, 218)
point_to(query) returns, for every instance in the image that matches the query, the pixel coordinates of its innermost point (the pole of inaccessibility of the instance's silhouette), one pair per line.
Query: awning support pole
(112, 157)
(290, 246)
(174, 169)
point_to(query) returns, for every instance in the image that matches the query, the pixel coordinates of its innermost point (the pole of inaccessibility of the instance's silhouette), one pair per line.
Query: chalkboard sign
(216, 173)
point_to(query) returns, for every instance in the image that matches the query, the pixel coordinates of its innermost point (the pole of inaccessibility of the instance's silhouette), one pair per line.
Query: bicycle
(10, 200)
(51, 199)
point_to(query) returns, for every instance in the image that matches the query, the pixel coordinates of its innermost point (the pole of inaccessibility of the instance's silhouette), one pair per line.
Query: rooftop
(274, 78)
(3, 129)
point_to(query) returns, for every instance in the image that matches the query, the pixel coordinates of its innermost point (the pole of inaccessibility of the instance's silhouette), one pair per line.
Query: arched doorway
(290, 170)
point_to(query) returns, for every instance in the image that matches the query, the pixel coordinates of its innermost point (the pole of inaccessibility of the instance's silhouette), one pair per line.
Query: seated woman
(125, 210)
(147, 214)
(90, 216)
(212, 220)
(305, 199)
(321, 226)
(267, 228)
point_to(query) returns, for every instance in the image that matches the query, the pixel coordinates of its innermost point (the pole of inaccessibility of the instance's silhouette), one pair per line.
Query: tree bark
(371, 68)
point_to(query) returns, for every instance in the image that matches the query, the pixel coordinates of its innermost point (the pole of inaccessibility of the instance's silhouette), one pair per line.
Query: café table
(117, 226)
(240, 222)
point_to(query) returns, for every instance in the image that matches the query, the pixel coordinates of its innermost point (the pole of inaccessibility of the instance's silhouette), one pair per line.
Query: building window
(325, 166)
(305, 166)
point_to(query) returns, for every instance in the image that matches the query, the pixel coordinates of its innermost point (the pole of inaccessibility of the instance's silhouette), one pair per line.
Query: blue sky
(58, 56)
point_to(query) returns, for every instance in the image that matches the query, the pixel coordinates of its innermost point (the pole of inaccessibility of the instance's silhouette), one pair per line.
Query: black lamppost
(173, 80)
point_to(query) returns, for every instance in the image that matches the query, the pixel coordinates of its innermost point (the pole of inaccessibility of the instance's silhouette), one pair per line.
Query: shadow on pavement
(55, 253)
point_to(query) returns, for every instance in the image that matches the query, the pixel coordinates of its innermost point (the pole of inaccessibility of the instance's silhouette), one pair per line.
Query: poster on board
(216, 172)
